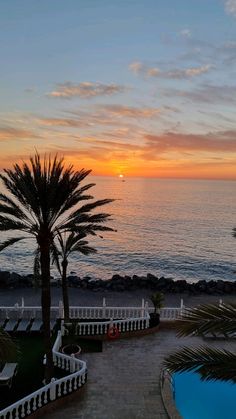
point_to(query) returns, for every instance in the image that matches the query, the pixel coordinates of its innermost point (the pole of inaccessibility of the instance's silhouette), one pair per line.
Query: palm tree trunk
(64, 265)
(46, 306)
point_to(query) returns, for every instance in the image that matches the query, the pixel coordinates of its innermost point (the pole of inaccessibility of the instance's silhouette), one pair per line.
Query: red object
(113, 332)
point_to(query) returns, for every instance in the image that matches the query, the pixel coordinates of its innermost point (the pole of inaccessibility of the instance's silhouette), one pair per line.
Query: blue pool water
(196, 399)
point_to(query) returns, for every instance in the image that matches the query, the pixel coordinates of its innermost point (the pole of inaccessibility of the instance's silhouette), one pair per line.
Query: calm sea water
(176, 228)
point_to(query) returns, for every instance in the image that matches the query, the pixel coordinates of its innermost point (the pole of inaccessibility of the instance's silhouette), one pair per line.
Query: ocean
(174, 228)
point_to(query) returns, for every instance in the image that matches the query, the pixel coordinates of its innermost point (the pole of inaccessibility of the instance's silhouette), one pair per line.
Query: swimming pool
(196, 399)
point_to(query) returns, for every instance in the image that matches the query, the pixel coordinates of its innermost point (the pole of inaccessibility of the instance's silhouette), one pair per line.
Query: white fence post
(143, 307)
(61, 310)
(72, 363)
(53, 389)
(104, 307)
(181, 306)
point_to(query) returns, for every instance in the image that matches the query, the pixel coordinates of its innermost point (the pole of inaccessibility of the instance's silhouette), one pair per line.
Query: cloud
(130, 112)
(224, 141)
(15, 134)
(230, 7)
(141, 69)
(136, 67)
(186, 33)
(85, 90)
(207, 93)
(63, 122)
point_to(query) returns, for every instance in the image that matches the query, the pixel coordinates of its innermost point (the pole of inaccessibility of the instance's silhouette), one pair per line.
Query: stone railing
(171, 313)
(101, 328)
(103, 312)
(20, 311)
(52, 391)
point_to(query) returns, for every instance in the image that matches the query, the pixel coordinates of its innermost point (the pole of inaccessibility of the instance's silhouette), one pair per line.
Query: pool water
(196, 399)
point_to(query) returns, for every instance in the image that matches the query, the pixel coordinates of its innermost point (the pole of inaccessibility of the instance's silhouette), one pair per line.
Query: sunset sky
(132, 87)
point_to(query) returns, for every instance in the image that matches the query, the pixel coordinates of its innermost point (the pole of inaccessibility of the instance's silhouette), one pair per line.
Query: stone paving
(124, 380)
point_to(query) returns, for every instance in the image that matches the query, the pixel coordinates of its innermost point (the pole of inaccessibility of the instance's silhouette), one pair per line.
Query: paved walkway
(124, 380)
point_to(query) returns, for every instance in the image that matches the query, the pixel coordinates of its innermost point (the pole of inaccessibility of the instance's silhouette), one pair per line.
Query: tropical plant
(69, 243)
(157, 300)
(211, 363)
(7, 347)
(43, 198)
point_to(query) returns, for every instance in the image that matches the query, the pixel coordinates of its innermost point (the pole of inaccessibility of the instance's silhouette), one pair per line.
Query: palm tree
(43, 198)
(210, 363)
(157, 300)
(7, 347)
(69, 243)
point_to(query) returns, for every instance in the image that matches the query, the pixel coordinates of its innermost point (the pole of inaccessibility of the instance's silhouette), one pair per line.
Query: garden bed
(30, 370)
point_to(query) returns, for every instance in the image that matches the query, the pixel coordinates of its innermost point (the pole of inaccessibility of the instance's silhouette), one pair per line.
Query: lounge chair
(11, 325)
(36, 325)
(7, 374)
(24, 325)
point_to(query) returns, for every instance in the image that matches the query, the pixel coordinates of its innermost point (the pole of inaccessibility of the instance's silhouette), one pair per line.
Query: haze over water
(176, 228)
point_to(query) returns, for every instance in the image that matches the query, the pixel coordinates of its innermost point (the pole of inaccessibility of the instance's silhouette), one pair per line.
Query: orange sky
(155, 99)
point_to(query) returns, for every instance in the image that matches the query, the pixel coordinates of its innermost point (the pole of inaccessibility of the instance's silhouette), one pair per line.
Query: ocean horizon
(168, 227)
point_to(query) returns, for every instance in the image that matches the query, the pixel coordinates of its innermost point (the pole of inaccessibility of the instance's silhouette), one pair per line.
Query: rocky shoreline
(13, 280)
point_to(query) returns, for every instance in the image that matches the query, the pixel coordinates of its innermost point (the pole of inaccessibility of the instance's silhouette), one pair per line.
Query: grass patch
(30, 370)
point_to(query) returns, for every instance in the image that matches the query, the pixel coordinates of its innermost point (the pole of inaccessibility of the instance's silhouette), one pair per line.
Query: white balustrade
(55, 389)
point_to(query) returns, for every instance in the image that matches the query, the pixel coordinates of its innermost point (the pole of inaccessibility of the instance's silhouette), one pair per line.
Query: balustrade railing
(101, 328)
(91, 313)
(52, 391)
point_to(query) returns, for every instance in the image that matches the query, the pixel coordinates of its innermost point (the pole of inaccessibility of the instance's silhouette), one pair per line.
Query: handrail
(101, 328)
(55, 389)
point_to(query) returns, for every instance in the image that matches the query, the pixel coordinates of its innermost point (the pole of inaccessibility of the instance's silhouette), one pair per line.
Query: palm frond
(9, 224)
(85, 250)
(56, 253)
(210, 363)
(208, 318)
(10, 242)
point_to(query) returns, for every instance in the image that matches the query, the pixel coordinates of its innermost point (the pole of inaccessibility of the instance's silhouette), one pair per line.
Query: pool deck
(124, 380)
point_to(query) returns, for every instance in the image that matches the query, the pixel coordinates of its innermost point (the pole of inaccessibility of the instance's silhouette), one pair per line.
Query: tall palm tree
(210, 363)
(69, 243)
(43, 198)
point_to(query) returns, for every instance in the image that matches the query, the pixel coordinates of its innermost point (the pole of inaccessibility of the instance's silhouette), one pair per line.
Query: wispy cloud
(63, 122)
(131, 112)
(85, 90)
(230, 7)
(186, 33)
(15, 134)
(139, 68)
(224, 141)
(206, 93)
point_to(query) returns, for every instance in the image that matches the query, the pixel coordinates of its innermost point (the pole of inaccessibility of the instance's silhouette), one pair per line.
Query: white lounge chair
(23, 326)
(36, 325)
(8, 372)
(10, 325)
